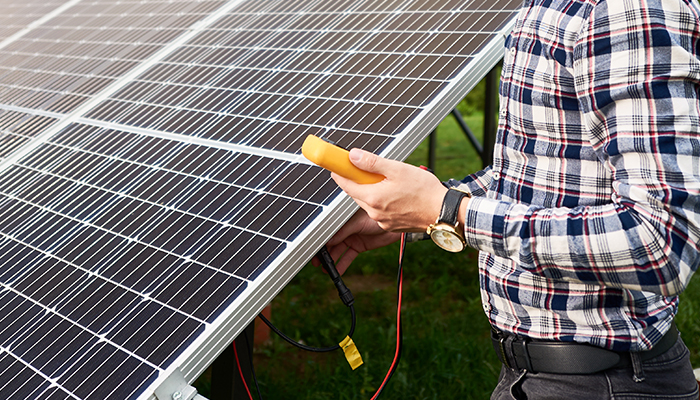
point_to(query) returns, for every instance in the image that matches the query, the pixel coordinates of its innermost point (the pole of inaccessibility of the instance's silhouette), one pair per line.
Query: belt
(519, 352)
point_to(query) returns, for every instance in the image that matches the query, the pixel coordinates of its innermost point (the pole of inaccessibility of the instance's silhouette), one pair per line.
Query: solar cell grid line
(332, 94)
(24, 276)
(275, 166)
(263, 228)
(19, 17)
(46, 68)
(18, 128)
(126, 70)
(388, 72)
(37, 320)
(124, 112)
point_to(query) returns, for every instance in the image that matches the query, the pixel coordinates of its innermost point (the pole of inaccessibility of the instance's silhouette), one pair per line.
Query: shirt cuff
(485, 225)
(476, 184)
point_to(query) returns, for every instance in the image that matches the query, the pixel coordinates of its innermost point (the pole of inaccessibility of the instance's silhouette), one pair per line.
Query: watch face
(447, 240)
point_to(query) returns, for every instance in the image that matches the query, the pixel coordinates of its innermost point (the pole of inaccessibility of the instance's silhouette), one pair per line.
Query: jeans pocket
(508, 387)
(516, 391)
(668, 376)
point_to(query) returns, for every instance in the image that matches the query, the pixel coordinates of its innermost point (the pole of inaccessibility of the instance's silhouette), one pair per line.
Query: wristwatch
(446, 232)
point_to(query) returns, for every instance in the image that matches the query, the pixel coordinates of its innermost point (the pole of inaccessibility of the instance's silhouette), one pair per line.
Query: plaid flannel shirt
(588, 220)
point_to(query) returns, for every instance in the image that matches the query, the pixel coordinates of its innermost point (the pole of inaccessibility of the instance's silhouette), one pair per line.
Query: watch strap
(450, 206)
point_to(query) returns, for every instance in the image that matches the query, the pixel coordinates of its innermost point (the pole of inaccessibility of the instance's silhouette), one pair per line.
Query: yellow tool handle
(336, 159)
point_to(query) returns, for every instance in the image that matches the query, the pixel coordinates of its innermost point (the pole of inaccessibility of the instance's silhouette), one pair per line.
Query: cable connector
(344, 294)
(329, 265)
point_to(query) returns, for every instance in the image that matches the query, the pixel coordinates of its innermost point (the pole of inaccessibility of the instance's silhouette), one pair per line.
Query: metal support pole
(226, 383)
(468, 132)
(485, 151)
(432, 144)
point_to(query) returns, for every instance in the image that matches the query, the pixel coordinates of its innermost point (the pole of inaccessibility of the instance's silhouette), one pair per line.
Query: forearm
(610, 245)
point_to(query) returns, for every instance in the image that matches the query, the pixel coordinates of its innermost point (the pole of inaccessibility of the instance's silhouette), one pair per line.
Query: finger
(352, 189)
(316, 262)
(354, 225)
(346, 184)
(370, 162)
(337, 251)
(347, 259)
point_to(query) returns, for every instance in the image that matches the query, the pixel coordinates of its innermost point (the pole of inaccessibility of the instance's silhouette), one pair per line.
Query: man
(588, 221)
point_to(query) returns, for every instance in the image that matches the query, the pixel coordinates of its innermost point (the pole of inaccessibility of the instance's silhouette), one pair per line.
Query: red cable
(398, 321)
(240, 371)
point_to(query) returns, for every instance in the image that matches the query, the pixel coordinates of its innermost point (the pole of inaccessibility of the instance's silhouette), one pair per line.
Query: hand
(359, 234)
(408, 200)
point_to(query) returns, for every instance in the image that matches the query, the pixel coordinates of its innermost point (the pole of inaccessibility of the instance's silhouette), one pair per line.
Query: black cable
(343, 292)
(348, 300)
(329, 265)
(303, 346)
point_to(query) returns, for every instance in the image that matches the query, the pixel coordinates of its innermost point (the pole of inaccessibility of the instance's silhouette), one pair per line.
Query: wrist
(435, 208)
(448, 230)
(462, 215)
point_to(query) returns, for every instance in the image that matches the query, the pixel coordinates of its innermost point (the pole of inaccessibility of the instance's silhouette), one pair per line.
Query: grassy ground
(447, 352)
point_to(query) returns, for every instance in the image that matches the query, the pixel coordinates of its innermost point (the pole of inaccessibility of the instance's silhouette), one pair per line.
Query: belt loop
(637, 367)
(528, 362)
(503, 351)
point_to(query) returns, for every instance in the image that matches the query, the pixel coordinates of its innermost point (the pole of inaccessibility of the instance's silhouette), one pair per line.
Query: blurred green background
(447, 351)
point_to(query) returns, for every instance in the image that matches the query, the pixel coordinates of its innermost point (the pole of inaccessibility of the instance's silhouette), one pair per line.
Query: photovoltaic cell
(60, 64)
(18, 15)
(17, 128)
(152, 194)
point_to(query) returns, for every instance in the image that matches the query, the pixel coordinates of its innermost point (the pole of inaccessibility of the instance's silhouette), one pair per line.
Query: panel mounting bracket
(175, 387)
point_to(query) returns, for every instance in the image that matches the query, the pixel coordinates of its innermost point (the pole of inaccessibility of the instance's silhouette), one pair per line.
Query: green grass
(447, 351)
(688, 319)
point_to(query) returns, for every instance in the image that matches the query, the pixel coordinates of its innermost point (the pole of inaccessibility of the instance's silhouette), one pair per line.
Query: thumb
(367, 161)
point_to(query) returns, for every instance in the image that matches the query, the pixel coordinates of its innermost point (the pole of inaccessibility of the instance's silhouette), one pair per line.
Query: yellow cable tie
(351, 353)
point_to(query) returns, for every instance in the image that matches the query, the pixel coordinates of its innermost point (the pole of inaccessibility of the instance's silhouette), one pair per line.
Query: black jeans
(668, 376)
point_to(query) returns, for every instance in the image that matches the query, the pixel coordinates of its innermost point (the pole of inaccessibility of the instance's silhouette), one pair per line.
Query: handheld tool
(336, 159)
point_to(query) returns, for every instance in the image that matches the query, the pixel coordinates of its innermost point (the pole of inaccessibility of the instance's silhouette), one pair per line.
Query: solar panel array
(152, 194)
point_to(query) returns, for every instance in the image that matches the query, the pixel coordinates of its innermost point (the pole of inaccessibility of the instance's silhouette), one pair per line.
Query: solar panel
(153, 198)
(20, 16)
